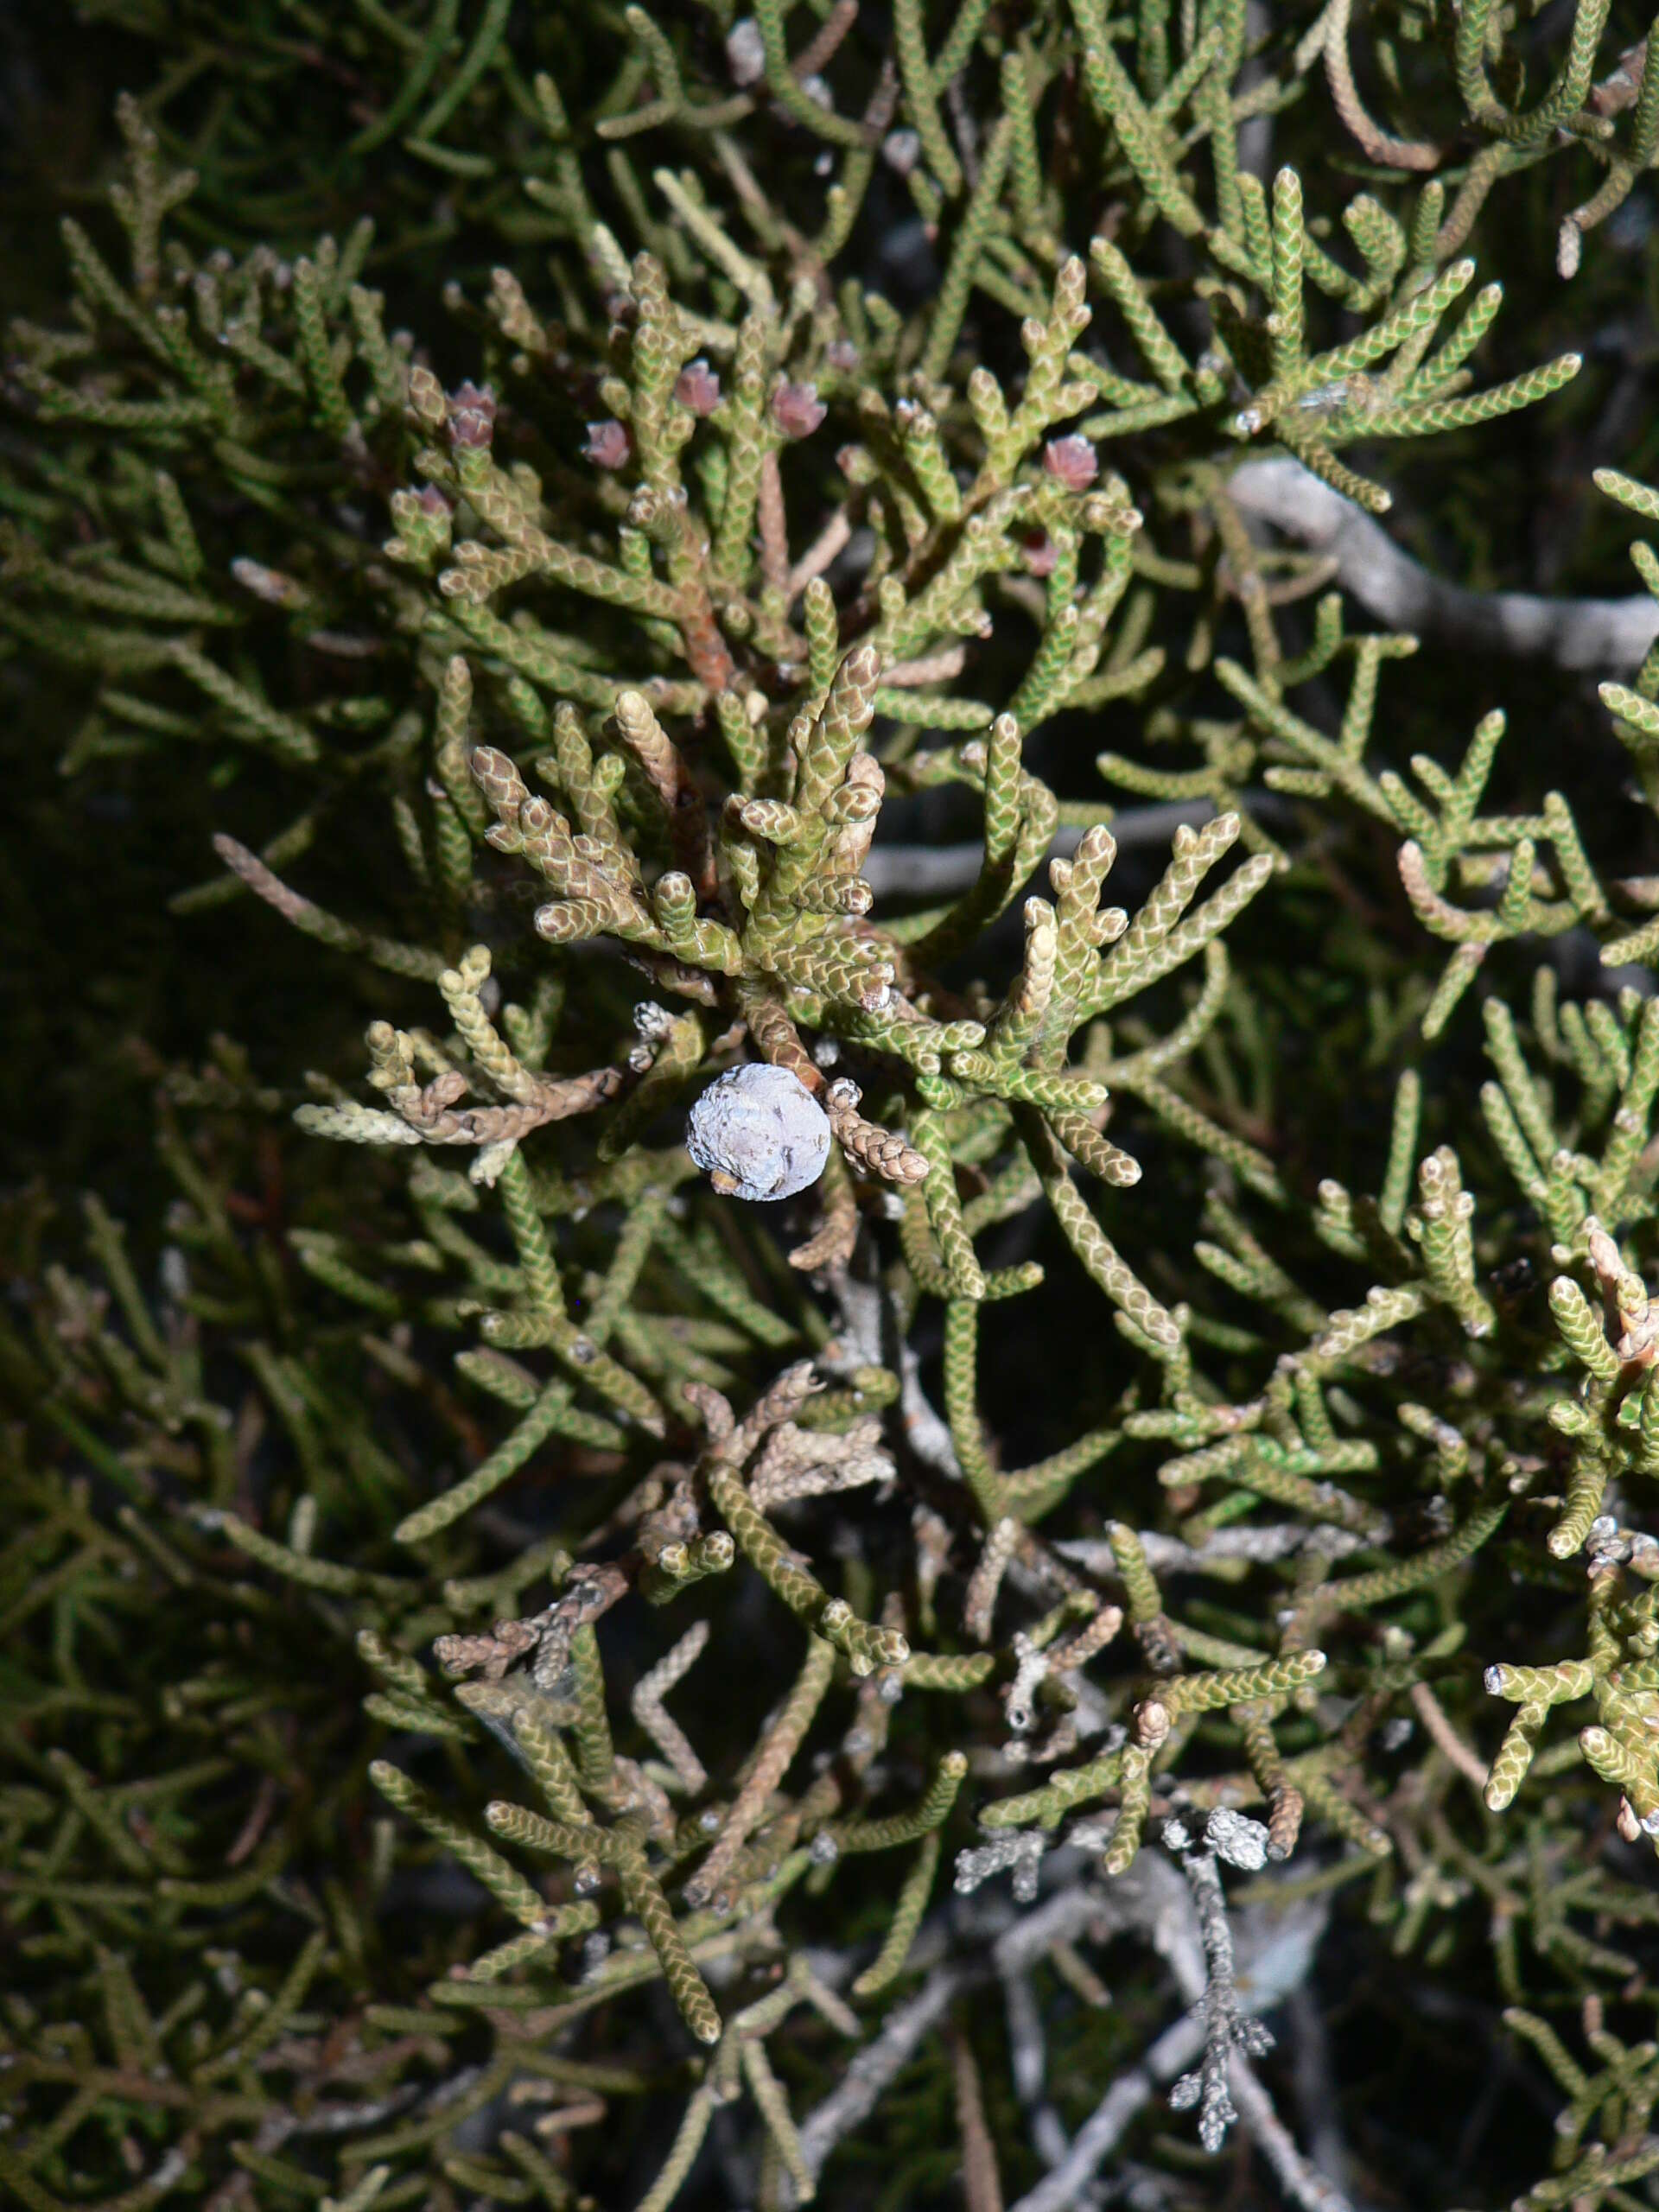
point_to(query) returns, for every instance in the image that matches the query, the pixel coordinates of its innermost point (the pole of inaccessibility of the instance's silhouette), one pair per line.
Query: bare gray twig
(1017, 1941)
(942, 871)
(1603, 634)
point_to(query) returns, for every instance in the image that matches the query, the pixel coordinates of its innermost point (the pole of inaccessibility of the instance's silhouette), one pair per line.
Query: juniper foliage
(669, 544)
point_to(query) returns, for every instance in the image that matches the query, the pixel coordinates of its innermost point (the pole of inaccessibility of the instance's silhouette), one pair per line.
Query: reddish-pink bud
(609, 443)
(796, 410)
(472, 416)
(433, 504)
(1071, 462)
(698, 387)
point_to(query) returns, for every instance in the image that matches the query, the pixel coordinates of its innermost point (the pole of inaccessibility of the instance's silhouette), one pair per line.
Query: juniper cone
(828, 1366)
